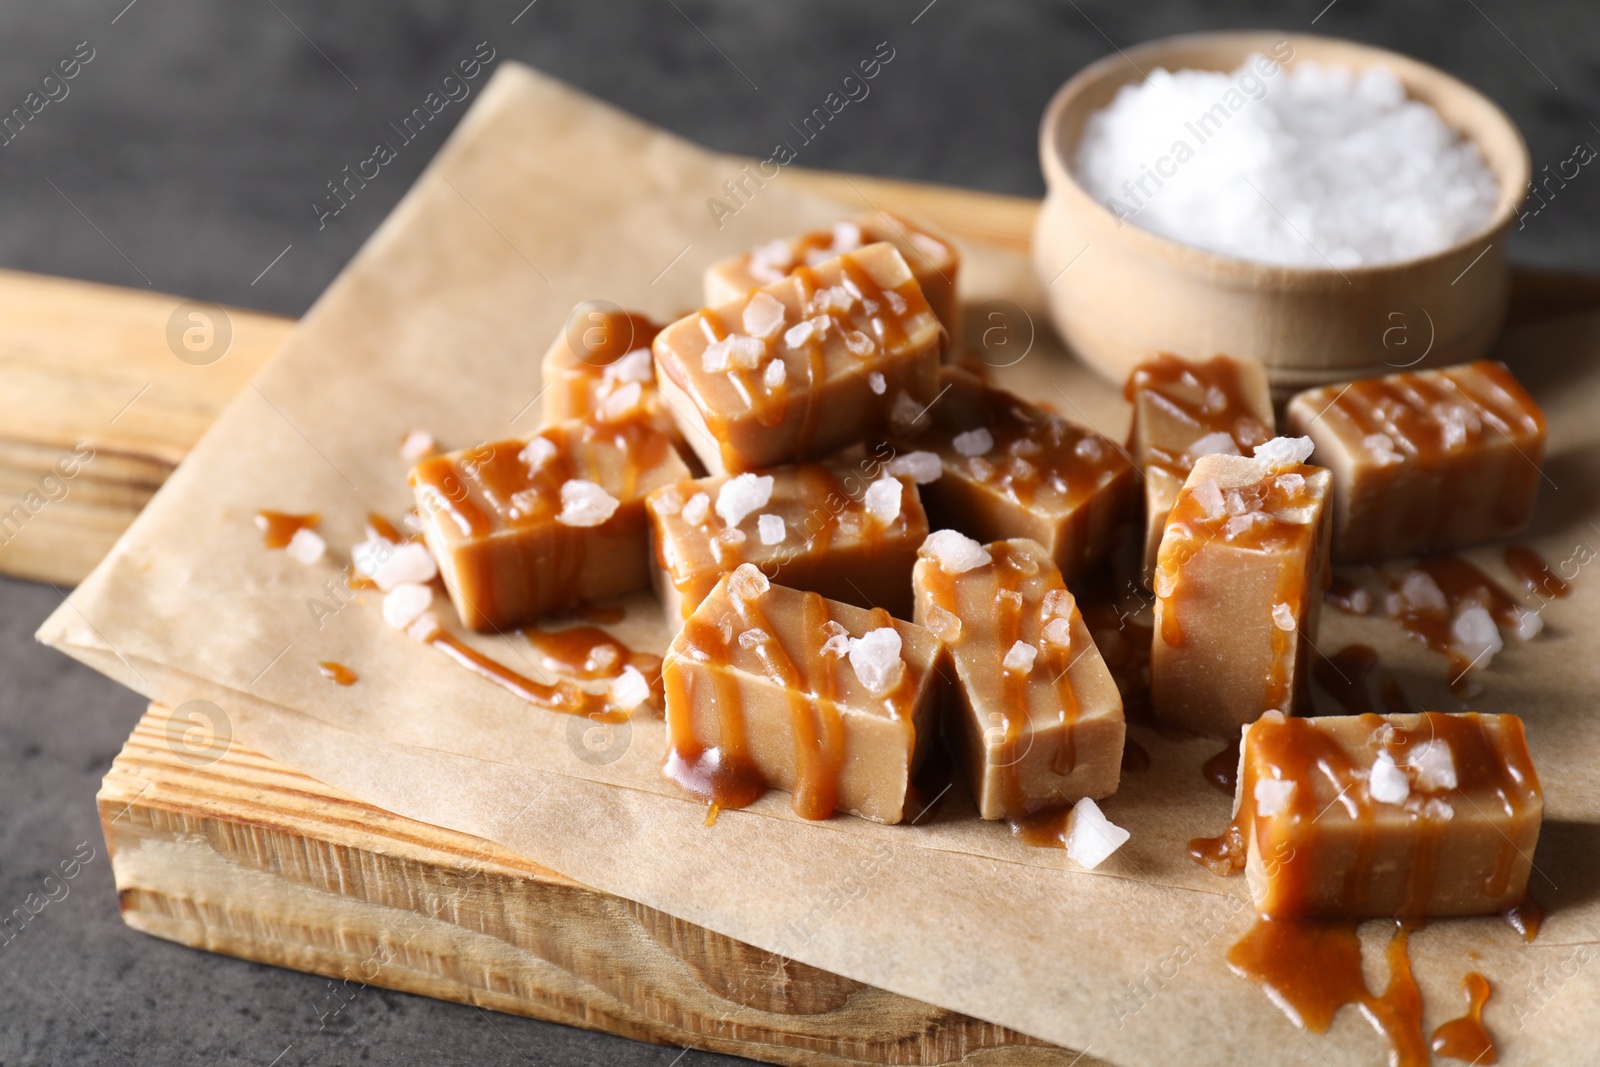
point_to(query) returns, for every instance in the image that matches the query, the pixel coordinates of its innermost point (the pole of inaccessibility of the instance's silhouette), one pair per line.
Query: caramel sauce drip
(1296, 750)
(1534, 573)
(1467, 1038)
(1429, 418)
(1310, 968)
(384, 529)
(588, 653)
(1222, 770)
(1525, 918)
(1460, 581)
(1042, 829)
(279, 527)
(563, 697)
(338, 673)
(614, 336)
(1344, 675)
(723, 775)
(1209, 396)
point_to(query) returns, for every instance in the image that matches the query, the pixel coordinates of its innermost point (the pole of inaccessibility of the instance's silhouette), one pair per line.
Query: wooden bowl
(1120, 294)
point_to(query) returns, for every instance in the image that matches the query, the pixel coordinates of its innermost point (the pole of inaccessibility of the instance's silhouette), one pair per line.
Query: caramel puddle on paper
(279, 527)
(338, 673)
(1467, 1038)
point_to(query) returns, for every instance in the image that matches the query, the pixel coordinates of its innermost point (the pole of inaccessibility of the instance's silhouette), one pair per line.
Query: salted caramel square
(802, 367)
(1185, 409)
(1238, 583)
(1038, 720)
(932, 257)
(774, 688)
(522, 528)
(1401, 816)
(847, 531)
(1425, 461)
(1011, 469)
(599, 366)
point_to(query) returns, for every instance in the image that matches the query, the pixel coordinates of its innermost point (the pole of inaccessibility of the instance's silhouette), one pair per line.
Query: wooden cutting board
(229, 852)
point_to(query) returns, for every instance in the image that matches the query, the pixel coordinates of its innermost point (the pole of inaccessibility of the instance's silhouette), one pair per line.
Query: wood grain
(235, 854)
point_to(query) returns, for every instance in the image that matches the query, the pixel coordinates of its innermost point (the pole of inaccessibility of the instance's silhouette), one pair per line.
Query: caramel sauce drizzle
(1460, 581)
(563, 697)
(1526, 917)
(588, 653)
(619, 333)
(1466, 1038)
(338, 673)
(279, 527)
(1534, 573)
(1209, 396)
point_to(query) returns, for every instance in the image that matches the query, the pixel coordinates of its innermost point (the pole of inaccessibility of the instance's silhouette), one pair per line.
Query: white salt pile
(1314, 166)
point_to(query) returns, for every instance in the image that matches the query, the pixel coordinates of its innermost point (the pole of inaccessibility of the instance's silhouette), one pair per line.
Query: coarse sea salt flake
(776, 374)
(410, 562)
(1284, 451)
(633, 367)
(585, 503)
(920, 467)
(944, 623)
(799, 333)
(1388, 784)
(1091, 837)
(875, 657)
(846, 237)
(718, 356)
(1474, 635)
(746, 352)
(741, 495)
(1529, 625)
(426, 627)
(1057, 602)
(629, 689)
(752, 637)
(954, 552)
(1214, 444)
(405, 603)
(883, 499)
(747, 582)
(1434, 765)
(418, 443)
(1059, 632)
(1272, 795)
(306, 546)
(695, 508)
(763, 315)
(771, 529)
(1422, 593)
(859, 344)
(1283, 617)
(620, 401)
(1209, 496)
(973, 442)
(1019, 657)
(537, 452)
(876, 383)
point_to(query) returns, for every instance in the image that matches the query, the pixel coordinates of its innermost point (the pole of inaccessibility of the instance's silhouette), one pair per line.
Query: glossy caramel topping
(279, 527)
(588, 653)
(1466, 1038)
(1463, 585)
(338, 673)
(1526, 918)
(516, 484)
(1208, 397)
(1310, 968)
(1019, 450)
(1534, 573)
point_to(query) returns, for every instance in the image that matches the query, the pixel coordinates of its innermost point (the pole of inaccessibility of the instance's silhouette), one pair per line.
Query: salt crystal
(974, 442)
(418, 443)
(1291, 483)
(1019, 657)
(1272, 795)
(1238, 524)
(1422, 593)
(668, 501)
(859, 343)
(799, 333)
(876, 383)
(1529, 625)
(747, 582)
(1434, 766)
(746, 353)
(633, 367)
(1213, 444)
(718, 356)
(980, 469)
(837, 645)
(426, 627)
(752, 637)
(695, 508)
(1058, 632)
(1284, 451)
(405, 603)
(954, 552)
(1474, 635)
(1091, 837)
(1300, 516)
(906, 412)
(741, 495)
(1381, 445)
(410, 562)
(1208, 495)
(1089, 447)
(620, 401)
(629, 689)
(585, 503)
(776, 374)
(920, 467)
(763, 315)
(944, 623)
(820, 325)
(766, 273)
(771, 529)
(875, 657)
(537, 452)
(882, 499)
(1283, 617)
(1234, 502)
(306, 546)
(775, 253)
(1437, 810)
(1023, 446)
(897, 303)
(1057, 602)
(846, 237)
(1388, 783)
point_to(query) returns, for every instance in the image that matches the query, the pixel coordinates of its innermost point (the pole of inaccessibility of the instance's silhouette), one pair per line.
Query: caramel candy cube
(1425, 460)
(1039, 719)
(932, 258)
(1183, 410)
(1238, 584)
(1372, 816)
(848, 532)
(773, 688)
(1011, 469)
(599, 365)
(522, 528)
(803, 367)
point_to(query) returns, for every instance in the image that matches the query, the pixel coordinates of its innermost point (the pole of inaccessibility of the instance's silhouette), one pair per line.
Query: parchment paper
(544, 197)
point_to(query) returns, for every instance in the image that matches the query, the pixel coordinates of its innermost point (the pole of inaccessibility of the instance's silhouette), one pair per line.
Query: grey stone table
(187, 153)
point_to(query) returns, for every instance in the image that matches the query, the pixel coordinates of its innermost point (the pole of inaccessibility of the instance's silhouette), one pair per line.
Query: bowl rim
(1060, 180)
